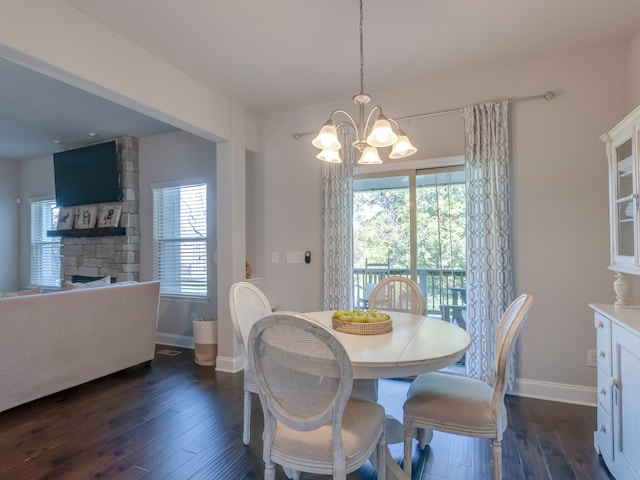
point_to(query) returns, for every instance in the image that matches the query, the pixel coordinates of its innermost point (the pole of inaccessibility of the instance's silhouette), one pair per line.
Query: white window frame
(45, 262)
(174, 238)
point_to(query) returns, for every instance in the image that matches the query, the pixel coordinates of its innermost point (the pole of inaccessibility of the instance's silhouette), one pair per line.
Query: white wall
(9, 213)
(634, 72)
(166, 158)
(559, 172)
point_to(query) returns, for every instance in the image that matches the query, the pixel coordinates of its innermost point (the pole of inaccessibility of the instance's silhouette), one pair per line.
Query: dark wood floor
(177, 420)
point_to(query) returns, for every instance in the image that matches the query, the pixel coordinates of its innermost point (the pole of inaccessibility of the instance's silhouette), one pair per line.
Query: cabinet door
(624, 204)
(626, 402)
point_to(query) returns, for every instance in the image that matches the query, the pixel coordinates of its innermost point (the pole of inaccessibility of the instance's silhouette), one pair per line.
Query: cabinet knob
(600, 324)
(603, 354)
(603, 390)
(603, 428)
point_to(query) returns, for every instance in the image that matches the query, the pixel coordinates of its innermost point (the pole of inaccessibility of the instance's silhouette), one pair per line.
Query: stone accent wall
(117, 256)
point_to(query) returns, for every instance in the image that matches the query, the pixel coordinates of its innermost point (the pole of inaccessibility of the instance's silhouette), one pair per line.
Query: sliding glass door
(412, 223)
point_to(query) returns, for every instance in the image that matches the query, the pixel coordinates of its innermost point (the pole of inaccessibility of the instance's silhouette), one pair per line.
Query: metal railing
(436, 285)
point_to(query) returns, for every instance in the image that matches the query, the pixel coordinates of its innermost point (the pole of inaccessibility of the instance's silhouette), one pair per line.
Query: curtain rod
(548, 95)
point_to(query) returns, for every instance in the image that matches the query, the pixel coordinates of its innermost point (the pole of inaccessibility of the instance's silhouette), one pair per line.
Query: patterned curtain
(489, 258)
(337, 190)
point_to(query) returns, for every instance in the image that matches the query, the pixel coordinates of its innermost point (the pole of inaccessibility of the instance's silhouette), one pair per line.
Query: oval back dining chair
(399, 294)
(304, 379)
(247, 304)
(466, 406)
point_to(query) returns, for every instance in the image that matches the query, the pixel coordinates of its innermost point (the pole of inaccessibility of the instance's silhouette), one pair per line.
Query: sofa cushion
(33, 291)
(103, 282)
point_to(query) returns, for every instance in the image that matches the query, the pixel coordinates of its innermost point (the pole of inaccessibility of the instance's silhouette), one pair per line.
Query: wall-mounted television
(87, 175)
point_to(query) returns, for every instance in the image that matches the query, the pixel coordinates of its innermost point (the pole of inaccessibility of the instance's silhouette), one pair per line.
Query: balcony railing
(439, 287)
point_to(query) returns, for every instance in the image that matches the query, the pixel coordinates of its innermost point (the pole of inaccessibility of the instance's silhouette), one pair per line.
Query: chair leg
(269, 471)
(496, 459)
(408, 447)
(425, 435)
(381, 460)
(246, 418)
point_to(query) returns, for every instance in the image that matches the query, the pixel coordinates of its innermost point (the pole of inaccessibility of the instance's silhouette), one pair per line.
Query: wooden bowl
(376, 328)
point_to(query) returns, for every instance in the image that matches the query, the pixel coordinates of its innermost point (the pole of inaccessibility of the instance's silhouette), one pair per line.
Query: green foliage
(381, 227)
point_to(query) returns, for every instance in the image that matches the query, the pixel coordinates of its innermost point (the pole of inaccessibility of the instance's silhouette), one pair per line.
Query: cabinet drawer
(604, 432)
(604, 391)
(603, 352)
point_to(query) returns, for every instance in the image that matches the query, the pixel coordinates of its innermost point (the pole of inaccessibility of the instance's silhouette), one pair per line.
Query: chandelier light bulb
(327, 139)
(331, 156)
(403, 147)
(382, 135)
(370, 157)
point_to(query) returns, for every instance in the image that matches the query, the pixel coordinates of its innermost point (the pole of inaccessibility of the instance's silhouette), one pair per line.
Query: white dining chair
(399, 294)
(311, 424)
(247, 304)
(466, 406)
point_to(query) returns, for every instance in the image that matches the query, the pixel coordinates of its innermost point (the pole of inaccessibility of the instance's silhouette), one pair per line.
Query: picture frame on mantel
(87, 216)
(109, 215)
(65, 218)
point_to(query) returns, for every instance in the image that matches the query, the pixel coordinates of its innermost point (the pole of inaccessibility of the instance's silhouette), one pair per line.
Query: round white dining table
(415, 345)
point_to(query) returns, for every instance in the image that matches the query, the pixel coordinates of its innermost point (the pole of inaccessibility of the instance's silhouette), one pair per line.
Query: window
(412, 223)
(45, 251)
(180, 239)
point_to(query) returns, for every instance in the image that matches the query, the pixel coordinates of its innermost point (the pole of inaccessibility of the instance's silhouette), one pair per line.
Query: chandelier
(368, 137)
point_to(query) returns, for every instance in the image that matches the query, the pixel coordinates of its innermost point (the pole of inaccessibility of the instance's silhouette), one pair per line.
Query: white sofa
(53, 341)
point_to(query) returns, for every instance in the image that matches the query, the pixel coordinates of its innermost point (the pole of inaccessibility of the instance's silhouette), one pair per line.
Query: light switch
(275, 257)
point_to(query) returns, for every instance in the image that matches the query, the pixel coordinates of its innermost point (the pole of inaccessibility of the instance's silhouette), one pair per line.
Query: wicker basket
(362, 328)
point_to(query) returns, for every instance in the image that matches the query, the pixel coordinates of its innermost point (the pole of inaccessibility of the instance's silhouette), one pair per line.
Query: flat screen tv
(87, 175)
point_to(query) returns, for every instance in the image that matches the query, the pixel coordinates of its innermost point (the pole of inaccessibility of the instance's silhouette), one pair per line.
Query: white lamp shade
(382, 135)
(403, 147)
(331, 156)
(370, 157)
(327, 139)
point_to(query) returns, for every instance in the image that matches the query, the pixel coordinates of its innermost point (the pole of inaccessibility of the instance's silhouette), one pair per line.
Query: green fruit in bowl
(360, 316)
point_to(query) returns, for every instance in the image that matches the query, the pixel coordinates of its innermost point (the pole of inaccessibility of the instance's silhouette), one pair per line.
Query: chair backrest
(399, 294)
(248, 304)
(304, 375)
(508, 330)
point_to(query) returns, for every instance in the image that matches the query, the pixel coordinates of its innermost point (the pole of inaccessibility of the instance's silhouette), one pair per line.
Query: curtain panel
(337, 191)
(489, 250)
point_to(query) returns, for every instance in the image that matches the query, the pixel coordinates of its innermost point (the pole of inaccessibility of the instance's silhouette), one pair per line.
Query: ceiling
(277, 54)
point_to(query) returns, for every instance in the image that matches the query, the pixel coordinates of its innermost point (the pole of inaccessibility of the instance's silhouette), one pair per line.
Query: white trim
(179, 183)
(556, 392)
(451, 161)
(229, 364)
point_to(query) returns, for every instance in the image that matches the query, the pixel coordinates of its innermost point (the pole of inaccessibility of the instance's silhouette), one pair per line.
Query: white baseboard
(557, 392)
(229, 364)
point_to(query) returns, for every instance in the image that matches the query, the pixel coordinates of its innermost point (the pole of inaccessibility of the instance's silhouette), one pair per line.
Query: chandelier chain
(361, 53)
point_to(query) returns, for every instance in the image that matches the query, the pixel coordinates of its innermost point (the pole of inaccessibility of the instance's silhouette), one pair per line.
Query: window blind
(180, 239)
(45, 251)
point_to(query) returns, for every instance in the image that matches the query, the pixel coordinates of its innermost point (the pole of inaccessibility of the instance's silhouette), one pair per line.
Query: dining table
(416, 344)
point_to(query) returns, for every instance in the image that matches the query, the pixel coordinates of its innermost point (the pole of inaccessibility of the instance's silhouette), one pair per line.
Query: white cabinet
(617, 434)
(624, 212)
